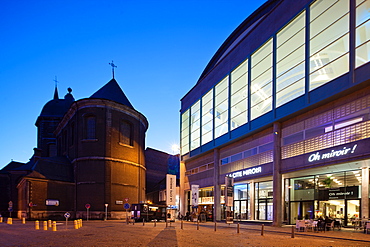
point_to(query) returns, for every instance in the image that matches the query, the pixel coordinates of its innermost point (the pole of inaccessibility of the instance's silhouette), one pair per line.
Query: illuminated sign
(334, 153)
(245, 172)
(50, 202)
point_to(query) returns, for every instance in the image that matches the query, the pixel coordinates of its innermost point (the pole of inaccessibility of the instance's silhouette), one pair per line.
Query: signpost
(127, 207)
(67, 215)
(87, 206)
(10, 208)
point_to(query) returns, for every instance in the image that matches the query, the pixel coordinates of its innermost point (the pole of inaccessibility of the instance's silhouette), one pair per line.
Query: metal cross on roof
(56, 81)
(113, 66)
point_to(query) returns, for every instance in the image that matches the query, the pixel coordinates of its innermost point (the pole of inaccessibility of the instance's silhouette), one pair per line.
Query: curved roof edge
(238, 33)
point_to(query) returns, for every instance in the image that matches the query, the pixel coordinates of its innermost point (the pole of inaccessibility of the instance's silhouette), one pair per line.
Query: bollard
(80, 222)
(49, 224)
(143, 222)
(126, 220)
(166, 223)
(10, 221)
(1, 219)
(37, 225)
(215, 225)
(75, 224)
(182, 225)
(155, 222)
(54, 226)
(198, 225)
(23, 220)
(238, 228)
(45, 225)
(262, 228)
(292, 231)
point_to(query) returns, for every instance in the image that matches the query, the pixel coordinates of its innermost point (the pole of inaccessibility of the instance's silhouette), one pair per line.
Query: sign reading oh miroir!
(332, 154)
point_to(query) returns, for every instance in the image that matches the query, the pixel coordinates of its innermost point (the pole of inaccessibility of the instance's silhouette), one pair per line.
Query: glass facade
(336, 195)
(242, 197)
(315, 43)
(263, 200)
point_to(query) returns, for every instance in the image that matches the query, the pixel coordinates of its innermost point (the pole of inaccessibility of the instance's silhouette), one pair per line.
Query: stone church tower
(104, 138)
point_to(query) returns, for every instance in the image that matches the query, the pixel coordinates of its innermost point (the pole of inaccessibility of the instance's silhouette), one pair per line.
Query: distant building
(90, 152)
(158, 165)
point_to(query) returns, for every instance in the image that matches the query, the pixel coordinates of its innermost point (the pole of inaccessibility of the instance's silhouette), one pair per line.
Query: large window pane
(362, 32)
(185, 122)
(195, 125)
(239, 95)
(329, 41)
(221, 107)
(261, 74)
(290, 65)
(207, 117)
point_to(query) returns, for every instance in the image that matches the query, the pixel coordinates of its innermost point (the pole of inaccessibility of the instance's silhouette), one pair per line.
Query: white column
(365, 191)
(252, 201)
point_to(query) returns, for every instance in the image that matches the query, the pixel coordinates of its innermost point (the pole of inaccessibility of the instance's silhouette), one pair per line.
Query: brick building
(90, 152)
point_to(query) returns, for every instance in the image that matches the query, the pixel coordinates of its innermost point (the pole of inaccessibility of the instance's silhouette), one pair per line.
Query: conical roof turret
(112, 91)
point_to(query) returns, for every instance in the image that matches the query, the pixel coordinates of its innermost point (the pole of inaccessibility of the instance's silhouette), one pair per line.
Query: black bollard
(238, 228)
(215, 225)
(292, 231)
(262, 229)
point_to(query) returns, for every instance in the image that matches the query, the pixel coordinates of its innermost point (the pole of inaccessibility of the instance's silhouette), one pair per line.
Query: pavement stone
(118, 233)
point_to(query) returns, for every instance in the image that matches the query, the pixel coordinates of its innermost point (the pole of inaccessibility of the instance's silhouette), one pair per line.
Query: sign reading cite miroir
(245, 172)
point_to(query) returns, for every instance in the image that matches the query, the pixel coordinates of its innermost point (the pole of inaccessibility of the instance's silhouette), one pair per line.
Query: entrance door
(265, 209)
(240, 209)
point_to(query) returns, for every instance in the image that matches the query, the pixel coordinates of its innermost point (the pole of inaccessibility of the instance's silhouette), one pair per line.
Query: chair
(330, 225)
(300, 225)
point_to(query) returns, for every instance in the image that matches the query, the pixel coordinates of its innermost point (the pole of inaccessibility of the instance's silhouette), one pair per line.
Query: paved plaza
(118, 233)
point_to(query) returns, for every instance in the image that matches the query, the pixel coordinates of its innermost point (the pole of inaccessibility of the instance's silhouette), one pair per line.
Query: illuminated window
(329, 41)
(362, 32)
(239, 95)
(185, 132)
(195, 126)
(207, 117)
(221, 107)
(290, 66)
(261, 80)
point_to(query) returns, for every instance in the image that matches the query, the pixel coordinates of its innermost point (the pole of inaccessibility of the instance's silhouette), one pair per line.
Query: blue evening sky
(160, 47)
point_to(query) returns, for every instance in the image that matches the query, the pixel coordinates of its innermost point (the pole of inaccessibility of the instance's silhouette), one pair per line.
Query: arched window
(90, 127)
(125, 134)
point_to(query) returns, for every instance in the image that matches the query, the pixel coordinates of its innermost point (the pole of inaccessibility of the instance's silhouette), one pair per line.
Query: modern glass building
(283, 107)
